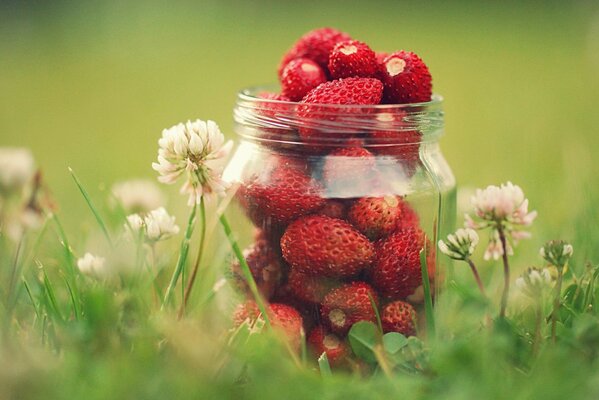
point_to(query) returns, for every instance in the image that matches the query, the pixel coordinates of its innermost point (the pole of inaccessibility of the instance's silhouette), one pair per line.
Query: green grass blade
(323, 364)
(428, 299)
(182, 258)
(30, 295)
(73, 298)
(92, 207)
(50, 295)
(70, 257)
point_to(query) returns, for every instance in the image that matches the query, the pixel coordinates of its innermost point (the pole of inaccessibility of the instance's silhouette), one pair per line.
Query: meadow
(91, 86)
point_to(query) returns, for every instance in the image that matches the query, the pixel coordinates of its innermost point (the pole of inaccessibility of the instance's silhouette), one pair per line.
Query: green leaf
(323, 364)
(393, 342)
(363, 338)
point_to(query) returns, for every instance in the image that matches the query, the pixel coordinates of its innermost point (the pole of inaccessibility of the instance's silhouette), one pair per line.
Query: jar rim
(251, 94)
(265, 119)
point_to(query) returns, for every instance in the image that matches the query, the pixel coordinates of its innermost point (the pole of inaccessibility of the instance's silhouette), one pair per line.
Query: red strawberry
(299, 77)
(380, 56)
(396, 271)
(399, 316)
(376, 217)
(409, 217)
(328, 124)
(352, 58)
(314, 45)
(334, 209)
(282, 317)
(283, 195)
(345, 91)
(343, 166)
(322, 341)
(309, 288)
(321, 245)
(406, 78)
(265, 266)
(348, 304)
(396, 137)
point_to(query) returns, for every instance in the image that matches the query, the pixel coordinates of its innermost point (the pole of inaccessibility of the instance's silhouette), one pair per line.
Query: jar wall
(321, 220)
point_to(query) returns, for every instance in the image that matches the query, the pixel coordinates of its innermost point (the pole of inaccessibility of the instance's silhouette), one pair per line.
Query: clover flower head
(557, 252)
(503, 203)
(534, 282)
(17, 167)
(92, 265)
(155, 226)
(138, 195)
(502, 208)
(198, 151)
(459, 245)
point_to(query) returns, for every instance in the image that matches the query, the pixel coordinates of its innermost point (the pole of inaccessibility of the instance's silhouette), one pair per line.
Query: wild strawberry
(310, 288)
(265, 266)
(334, 209)
(352, 58)
(344, 167)
(396, 271)
(380, 56)
(299, 77)
(322, 341)
(282, 317)
(396, 138)
(406, 78)
(283, 194)
(316, 113)
(350, 91)
(314, 45)
(376, 217)
(409, 217)
(399, 316)
(348, 304)
(321, 245)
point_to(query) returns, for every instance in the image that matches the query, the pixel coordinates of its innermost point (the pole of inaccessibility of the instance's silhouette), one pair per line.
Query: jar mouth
(259, 117)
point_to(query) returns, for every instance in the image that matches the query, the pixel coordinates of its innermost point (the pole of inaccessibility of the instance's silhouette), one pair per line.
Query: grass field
(92, 85)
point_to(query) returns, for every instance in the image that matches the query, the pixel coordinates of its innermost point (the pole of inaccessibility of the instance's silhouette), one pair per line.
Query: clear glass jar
(334, 203)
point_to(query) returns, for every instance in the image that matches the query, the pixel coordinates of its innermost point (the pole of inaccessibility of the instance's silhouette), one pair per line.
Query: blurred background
(91, 84)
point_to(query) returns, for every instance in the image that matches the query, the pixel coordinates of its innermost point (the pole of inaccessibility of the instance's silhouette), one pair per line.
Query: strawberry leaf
(363, 338)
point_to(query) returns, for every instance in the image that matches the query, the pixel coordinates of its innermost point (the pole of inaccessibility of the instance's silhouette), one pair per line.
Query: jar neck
(261, 119)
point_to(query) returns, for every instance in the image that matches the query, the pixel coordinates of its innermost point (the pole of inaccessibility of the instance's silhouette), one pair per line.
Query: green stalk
(428, 299)
(182, 258)
(196, 266)
(245, 269)
(506, 272)
(323, 364)
(556, 303)
(92, 207)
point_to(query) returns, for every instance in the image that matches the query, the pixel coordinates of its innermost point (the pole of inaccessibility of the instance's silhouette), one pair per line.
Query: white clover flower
(535, 282)
(16, 168)
(557, 252)
(198, 151)
(157, 225)
(459, 245)
(506, 208)
(138, 195)
(504, 203)
(92, 265)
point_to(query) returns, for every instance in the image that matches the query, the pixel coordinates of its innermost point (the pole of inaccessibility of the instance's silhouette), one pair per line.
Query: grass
(91, 86)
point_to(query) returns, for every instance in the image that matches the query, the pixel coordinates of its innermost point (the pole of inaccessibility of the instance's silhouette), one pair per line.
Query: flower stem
(556, 303)
(479, 282)
(245, 269)
(538, 320)
(196, 266)
(182, 258)
(506, 271)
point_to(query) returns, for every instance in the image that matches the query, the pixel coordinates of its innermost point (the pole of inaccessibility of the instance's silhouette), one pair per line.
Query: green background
(92, 84)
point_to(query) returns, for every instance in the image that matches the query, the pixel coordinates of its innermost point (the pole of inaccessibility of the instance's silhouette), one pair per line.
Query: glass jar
(334, 204)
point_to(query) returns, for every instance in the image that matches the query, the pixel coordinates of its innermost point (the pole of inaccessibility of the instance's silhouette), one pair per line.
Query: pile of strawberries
(322, 262)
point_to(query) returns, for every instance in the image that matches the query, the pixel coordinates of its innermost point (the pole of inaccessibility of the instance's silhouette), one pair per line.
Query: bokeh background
(91, 84)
